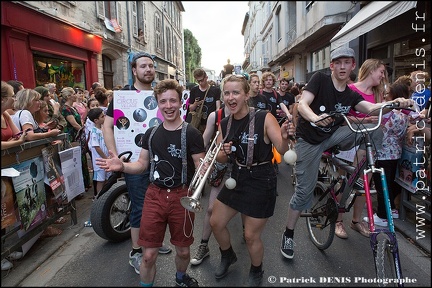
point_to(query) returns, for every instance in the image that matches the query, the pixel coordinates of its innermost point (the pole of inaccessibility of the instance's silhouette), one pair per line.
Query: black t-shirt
(166, 148)
(273, 100)
(327, 99)
(288, 99)
(259, 102)
(213, 95)
(239, 134)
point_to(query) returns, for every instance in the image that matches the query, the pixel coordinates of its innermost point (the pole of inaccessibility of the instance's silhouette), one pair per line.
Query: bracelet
(123, 167)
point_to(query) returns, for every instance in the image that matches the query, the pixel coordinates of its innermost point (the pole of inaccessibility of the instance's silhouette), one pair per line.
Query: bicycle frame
(321, 217)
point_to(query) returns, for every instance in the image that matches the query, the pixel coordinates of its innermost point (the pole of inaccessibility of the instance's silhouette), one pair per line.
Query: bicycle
(321, 217)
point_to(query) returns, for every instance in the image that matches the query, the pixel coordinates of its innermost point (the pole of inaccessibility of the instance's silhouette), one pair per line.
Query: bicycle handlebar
(391, 105)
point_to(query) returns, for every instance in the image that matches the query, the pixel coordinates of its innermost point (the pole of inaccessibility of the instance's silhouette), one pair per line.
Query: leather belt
(253, 164)
(175, 189)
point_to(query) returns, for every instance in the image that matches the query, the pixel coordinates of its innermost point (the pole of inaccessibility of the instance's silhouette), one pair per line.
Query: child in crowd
(97, 147)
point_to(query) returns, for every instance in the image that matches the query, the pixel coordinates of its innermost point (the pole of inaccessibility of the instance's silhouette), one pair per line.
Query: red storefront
(38, 49)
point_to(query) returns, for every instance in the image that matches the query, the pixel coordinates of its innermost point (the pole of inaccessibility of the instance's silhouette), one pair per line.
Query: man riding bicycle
(316, 132)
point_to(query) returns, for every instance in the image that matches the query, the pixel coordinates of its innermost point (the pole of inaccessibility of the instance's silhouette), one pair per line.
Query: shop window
(107, 72)
(63, 72)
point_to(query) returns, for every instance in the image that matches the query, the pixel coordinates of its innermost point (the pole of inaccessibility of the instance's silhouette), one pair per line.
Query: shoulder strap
(152, 161)
(251, 139)
(19, 120)
(183, 153)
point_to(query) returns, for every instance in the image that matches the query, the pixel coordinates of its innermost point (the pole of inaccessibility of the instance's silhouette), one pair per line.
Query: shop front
(38, 49)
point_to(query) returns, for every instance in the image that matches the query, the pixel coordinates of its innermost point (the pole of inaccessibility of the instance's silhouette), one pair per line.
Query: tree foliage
(192, 54)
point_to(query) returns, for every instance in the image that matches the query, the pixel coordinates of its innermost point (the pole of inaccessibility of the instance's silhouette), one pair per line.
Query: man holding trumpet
(172, 160)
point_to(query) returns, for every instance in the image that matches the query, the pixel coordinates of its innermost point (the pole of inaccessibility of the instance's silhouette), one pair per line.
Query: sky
(217, 27)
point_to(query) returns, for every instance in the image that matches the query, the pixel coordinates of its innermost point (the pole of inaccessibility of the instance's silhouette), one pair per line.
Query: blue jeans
(137, 186)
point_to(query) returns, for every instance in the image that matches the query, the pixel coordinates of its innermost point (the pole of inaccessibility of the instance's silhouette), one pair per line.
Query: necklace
(181, 124)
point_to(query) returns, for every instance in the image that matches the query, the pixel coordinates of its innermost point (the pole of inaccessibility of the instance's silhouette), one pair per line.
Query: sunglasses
(236, 76)
(140, 55)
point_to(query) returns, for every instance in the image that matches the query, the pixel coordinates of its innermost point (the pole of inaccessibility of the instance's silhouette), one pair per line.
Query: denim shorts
(162, 207)
(137, 186)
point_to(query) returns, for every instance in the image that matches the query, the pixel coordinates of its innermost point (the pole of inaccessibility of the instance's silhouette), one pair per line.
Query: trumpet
(198, 182)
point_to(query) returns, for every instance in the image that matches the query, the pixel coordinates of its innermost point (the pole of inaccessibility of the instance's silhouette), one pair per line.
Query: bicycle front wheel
(322, 222)
(385, 263)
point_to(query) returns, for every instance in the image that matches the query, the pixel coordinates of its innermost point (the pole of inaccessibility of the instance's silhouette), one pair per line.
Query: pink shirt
(368, 97)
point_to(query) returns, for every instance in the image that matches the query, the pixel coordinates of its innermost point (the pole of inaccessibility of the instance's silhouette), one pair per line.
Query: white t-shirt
(22, 117)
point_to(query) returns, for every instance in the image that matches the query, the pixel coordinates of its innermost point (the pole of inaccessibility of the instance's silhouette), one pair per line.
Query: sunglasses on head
(140, 55)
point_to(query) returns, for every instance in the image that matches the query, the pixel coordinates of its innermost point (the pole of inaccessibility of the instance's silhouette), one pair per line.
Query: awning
(371, 16)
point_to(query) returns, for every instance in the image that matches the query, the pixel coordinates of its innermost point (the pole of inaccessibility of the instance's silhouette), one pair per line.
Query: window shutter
(100, 10)
(134, 19)
(119, 14)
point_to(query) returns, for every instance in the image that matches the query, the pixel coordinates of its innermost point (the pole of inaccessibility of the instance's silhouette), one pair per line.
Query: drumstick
(285, 110)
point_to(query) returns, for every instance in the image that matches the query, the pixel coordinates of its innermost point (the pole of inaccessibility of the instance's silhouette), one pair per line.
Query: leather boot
(228, 258)
(255, 278)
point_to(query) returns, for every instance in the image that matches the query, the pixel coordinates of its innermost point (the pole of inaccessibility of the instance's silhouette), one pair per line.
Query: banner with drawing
(30, 191)
(134, 112)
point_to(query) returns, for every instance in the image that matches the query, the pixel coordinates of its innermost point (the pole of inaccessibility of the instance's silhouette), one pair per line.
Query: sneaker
(202, 252)
(186, 281)
(255, 278)
(164, 249)
(287, 247)
(15, 255)
(6, 265)
(360, 227)
(340, 230)
(377, 220)
(395, 213)
(135, 261)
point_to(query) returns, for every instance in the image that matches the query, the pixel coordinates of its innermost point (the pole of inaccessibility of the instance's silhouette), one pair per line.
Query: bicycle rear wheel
(385, 263)
(321, 224)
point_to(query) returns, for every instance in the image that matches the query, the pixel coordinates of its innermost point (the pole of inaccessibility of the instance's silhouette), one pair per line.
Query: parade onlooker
(80, 104)
(98, 148)
(253, 133)
(26, 104)
(394, 125)
(162, 205)
(421, 93)
(76, 131)
(54, 113)
(101, 95)
(371, 83)
(10, 136)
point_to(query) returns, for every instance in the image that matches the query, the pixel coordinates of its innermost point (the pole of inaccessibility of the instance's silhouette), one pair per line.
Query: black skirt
(255, 191)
